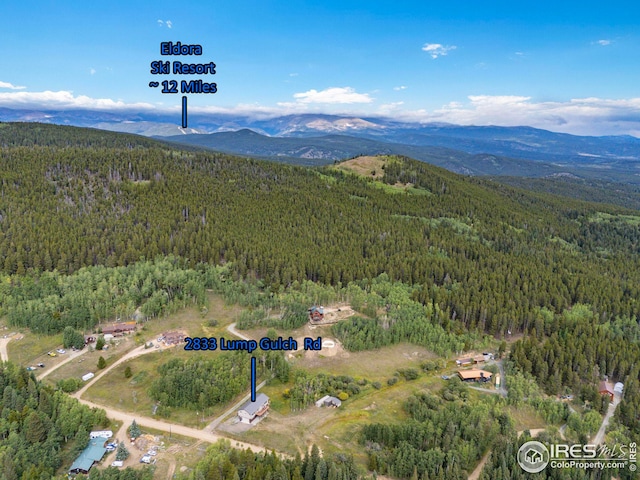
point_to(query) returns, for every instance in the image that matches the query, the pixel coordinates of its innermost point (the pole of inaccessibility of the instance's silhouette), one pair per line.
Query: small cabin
(605, 389)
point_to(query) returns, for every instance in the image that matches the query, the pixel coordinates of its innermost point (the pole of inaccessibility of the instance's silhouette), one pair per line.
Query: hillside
(323, 150)
(612, 158)
(80, 203)
(431, 263)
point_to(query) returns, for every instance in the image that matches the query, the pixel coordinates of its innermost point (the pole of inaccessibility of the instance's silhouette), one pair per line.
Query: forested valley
(97, 226)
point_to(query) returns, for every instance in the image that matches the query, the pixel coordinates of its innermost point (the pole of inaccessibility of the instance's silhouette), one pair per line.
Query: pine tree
(122, 453)
(134, 430)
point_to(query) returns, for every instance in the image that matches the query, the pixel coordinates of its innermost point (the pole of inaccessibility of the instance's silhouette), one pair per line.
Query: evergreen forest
(97, 226)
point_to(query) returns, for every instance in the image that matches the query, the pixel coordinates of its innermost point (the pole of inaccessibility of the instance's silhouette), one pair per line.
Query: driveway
(599, 438)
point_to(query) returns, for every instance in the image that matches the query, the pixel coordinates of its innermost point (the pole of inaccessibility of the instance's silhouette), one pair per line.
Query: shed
(329, 401)
(618, 387)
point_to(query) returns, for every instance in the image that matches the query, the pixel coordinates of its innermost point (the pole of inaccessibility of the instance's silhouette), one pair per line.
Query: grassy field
(526, 418)
(88, 361)
(335, 430)
(366, 166)
(132, 395)
(33, 348)
(374, 365)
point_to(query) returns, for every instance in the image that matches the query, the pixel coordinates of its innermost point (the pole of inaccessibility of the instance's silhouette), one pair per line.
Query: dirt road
(170, 427)
(4, 356)
(127, 418)
(599, 438)
(213, 425)
(232, 329)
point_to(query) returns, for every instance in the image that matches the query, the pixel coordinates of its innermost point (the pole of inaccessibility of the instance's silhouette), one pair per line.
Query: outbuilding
(329, 401)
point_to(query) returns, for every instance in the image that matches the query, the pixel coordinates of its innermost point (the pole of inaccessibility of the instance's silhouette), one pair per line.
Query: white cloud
(168, 23)
(332, 95)
(64, 99)
(401, 87)
(604, 42)
(11, 86)
(437, 50)
(92, 71)
(582, 116)
(390, 108)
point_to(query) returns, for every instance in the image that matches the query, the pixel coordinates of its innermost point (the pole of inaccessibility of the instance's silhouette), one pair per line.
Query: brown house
(173, 338)
(475, 375)
(605, 389)
(118, 329)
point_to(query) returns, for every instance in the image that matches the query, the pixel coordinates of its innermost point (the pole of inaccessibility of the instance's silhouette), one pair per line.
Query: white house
(253, 412)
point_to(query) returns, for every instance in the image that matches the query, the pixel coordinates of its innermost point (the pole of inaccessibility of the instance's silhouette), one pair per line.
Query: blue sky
(566, 66)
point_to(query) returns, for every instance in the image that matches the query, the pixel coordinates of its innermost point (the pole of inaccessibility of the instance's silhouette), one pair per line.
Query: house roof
(469, 374)
(316, 309)
(464, 360)
(93, 453)
(605, 387)
(252, 407)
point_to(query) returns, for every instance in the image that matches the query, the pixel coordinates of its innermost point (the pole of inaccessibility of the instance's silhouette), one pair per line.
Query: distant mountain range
(313, 139)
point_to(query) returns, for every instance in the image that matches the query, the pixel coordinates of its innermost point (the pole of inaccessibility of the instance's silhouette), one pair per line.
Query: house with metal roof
(90, 455)
(253, 412)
